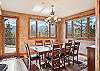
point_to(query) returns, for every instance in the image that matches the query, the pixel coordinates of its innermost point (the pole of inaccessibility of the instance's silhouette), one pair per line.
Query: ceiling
(62, 8)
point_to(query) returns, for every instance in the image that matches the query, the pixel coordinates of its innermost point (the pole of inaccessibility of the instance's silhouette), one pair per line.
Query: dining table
(44, 48)
(40, 49)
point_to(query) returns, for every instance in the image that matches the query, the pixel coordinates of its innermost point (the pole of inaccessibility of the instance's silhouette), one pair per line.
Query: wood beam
(1, 34)
(81, 14)
(97, 54)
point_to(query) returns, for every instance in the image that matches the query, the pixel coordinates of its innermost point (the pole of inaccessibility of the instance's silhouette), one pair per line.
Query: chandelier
(52, 18)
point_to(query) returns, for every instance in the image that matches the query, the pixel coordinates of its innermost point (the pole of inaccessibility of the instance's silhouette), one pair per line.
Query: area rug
(82, 64)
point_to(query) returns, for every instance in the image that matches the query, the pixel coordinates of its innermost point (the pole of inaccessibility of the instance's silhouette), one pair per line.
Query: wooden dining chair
(75, 51)
(55, 61)
(54, 58)
(56, 46)
(65, 53)
(47, 42)
(31, 57)
(62, 56)
(38, 42)
(68, 50)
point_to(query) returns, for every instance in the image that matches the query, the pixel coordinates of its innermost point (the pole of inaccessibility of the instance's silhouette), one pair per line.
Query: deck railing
(10, 40)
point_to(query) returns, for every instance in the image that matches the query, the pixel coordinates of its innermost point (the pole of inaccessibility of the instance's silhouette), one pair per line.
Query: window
(10, 35)
(92, 21)
(69, 26)
(84, 24)
(32, 28)
(83, 27)
(40, 28)
(77, 28)
(52, 30)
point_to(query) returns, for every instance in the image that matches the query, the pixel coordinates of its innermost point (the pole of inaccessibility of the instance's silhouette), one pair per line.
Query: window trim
(83, 38)
(29, 33)
(17, 34)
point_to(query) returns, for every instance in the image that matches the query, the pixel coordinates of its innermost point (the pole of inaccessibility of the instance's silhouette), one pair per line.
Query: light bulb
(59, 19)
(55, 18)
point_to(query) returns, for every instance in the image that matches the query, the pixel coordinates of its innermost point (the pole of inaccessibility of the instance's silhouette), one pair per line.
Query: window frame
(83, 38)
(37, 30)
(67, 35)
(50, 31)
(29, 32)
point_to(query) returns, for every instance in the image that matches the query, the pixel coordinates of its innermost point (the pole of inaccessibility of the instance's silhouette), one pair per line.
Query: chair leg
(73, 59)
(42, 56)
(68, 61)
(40, 63)
(36, 61)
(29, 67)
(77, 58)
(64, 61)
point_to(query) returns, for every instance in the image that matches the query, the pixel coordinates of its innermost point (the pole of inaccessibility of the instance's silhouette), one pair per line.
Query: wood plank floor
(71, 67)
(68, 68)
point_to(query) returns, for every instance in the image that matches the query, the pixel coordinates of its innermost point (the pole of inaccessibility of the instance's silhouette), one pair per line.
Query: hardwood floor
(71, 67)
(68, 68)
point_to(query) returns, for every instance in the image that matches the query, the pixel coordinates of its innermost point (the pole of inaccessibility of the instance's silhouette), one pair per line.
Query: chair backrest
(47, 42)
(70, 41)
(38, 42)
(28, 56)
(55, 54)
(76, 45)
(56, 59)
(27, 50)
(68, 48)
(68, 45)
(56, 46)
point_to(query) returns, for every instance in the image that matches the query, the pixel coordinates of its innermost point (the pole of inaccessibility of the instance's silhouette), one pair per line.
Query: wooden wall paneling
(97, 42)
(17, 36)
(1, 36)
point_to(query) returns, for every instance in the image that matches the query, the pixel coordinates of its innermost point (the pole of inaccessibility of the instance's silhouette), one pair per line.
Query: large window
(92, 21)
(82, 27)
(84, 24)
(69, 26)
(40, 28)
(77, 28)
(32, 28)
(10, 35)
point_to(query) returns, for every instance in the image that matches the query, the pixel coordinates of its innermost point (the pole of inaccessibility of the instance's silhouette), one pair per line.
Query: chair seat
(35, 57)
(48, 58)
